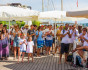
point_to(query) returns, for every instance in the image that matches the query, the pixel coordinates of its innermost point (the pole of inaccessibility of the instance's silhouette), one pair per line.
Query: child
(23, 44)
(29, 50)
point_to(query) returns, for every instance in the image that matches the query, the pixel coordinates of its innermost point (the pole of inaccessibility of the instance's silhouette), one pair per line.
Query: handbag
(4, 45)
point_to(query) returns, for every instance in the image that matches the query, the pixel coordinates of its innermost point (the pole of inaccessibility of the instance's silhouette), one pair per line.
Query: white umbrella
(16, 13)
(57, 16)
(52, 15)
(83, 13)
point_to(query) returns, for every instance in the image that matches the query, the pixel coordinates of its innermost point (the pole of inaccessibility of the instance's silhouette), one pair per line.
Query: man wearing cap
(31, 32)
(25, 29)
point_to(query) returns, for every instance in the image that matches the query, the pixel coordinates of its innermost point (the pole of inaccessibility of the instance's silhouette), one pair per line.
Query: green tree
(36, 23)
(20, 23)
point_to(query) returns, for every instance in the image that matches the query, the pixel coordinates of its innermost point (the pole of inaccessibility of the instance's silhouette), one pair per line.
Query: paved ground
(40, 63)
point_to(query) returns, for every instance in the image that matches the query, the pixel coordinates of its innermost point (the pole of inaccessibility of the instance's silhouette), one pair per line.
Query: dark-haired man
(31, 32)
(84, 38)
(65, 34)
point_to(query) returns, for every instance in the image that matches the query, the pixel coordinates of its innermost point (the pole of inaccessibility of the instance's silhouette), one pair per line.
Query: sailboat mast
(42, 5)
(61, 5)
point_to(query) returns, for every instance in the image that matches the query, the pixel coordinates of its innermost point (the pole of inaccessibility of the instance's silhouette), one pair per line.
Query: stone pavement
(40, 63)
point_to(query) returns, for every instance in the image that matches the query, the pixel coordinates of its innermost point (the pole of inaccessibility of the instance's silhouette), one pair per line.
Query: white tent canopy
(52, 14)
(83, 13)
(16, 13)
(57, 16)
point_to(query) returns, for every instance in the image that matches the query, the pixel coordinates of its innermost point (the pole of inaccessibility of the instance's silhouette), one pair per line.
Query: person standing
(35, 39)
(29, 49)
(65, 34)
(49, 39)
(4, 48)
(23, 43)
(31, 32)
(58, 44)
(16, 41)
(39, 35)
(74, 33)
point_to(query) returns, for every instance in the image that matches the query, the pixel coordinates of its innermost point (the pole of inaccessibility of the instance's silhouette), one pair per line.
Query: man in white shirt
(84, 38)
(65, 34)
(73, 33)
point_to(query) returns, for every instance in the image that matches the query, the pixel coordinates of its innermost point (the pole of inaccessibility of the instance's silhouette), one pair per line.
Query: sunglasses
(84, 30)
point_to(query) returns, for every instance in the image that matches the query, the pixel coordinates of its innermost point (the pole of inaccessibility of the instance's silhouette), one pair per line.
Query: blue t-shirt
(40, 35)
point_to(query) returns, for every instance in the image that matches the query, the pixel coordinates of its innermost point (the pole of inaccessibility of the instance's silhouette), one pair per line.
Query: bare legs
(18, 48)
(57, 47)
(38, 51)
(14, 52)
(48, 50)
(23, 53)
(31, 55)
(66, 54)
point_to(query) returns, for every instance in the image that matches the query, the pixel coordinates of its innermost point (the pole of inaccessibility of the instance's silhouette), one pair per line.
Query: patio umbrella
(83, 13)
(58, 16)
(16, 13)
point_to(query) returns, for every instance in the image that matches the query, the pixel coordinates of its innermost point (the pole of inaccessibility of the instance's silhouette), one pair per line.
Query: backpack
(69, 58)
(63, 33)
(87, 63)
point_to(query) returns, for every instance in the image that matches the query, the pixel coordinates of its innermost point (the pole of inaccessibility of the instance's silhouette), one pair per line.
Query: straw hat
(26, 26)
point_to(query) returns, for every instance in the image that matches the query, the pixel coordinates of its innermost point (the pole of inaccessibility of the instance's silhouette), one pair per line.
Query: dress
(23, 46)
(0, 48)
(16, 41)
(4, 48)
(30, 47)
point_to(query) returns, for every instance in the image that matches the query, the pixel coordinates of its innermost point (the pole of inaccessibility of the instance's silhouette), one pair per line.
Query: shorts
(44, 42)
(16, 44)
(58, 43)
(34, 42)
(39, 44)
(22, 51)
(49, 43)
(53, 40)
(84, 50)
(64, 48)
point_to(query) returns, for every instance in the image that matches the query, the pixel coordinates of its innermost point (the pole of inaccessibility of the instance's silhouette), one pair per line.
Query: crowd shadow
(39, 64)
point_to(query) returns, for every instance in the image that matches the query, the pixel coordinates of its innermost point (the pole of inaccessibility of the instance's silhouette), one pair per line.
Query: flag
(77, 3)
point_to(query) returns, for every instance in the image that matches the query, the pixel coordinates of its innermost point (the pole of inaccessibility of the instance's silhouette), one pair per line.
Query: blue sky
(37, 4)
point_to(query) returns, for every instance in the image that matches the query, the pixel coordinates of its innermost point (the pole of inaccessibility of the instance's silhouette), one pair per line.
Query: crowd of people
(37, 40)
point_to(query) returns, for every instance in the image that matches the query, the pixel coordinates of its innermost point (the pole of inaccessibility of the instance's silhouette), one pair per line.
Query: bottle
(76, 39)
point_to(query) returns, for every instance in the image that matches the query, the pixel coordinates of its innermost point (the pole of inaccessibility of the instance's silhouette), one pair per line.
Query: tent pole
(55, 32)
(9, 27)
(9, 35)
